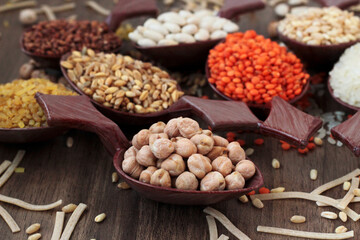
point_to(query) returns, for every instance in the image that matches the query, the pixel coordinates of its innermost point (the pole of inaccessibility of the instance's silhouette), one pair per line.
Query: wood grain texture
(83, 174)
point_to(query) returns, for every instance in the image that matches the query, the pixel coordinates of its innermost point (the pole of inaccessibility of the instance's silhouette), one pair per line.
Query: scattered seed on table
(356, 192)
(69, 142)
(346, 186)
(297, 219)
(343, 216)
(259, 141)
(69, 208)
(123, 185)
(99, 218)
(313, 174)
(341, 229)
(318, 141)
(277, 190)
(114, 177)
(35, 236)
(19, 170)
(257, 203)
(339, 144)
(33, 228)
(249, 151)
(275, 163)
(243, 199)
(331, 140)
(329, 215)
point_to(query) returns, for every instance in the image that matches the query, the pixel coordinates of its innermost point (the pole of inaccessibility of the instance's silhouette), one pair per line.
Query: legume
(121, 82)
(18, 107)
(250, 68)
(55, 38)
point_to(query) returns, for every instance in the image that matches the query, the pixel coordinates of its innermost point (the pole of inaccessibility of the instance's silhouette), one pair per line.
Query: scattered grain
(124, 186)
(297, 219)
(275, 163)
(329, 215)
(69, 208)
(99, 218)
(343, 216)
(33, 228)
(257, 203)
(277, 190)
(341, 229)
(243, 199)
(313, 174)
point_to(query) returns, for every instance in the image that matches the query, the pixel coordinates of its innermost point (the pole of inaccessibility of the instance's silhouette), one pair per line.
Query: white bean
(141, 29)
(219, 23)
(185, 13)
(155, 36)
(207, 22)
(184, 38)
(170, 37)
(145, 42)
(229, 27)
(202, 35)
(162, 17)
(204, 13)
(193, 20)
(172, 18)
(218, 34)
(157, 27)
(172, 27)
(151, 21)
(167, 42)
(135, 36)
(190, 29)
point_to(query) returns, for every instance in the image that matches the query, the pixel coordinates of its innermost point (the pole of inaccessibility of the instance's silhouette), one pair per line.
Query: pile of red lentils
(251, 68)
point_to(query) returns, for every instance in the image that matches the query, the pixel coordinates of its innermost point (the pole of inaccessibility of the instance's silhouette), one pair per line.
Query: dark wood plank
(83, 174)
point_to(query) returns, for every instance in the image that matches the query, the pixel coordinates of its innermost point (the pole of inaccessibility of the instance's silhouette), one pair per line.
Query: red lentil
(251, 68)
(285, 146)
(241, 142)
(264, 190)
(259, 141)
(251, 193)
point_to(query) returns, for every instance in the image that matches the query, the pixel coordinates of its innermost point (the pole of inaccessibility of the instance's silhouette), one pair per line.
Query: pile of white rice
(345, 76)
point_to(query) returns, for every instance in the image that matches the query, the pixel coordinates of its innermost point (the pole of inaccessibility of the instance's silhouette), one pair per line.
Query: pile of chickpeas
(180, 154)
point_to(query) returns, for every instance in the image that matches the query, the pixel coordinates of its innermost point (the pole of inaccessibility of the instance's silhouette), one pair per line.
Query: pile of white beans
(172, 28)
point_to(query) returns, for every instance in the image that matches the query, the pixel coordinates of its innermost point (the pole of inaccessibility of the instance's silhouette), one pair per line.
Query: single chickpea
(131, 152)
(188, 127)
(186, 181)
(236, 152)
(217, 151)
(161, 178)
(28, 16)
(162, 148)
(184, 147)
(174, 164)
(199, 165)
(145, 175)
(132, 167)
(207, 132)
(154, 136)
(171, 128)
(203, 143)
(223, 165)
(246, 168)
(234, 181)
(213, 181)
(141, 139)
(220, 141)
(145, 157)
(157, 127)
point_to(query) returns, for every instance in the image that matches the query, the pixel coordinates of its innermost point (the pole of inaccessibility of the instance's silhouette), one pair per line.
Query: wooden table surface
(83, 174)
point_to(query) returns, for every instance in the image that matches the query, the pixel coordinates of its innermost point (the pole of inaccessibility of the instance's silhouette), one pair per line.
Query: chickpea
(186, 181)
(184, 147)
(161, 178)
(174, 164)
(157, 127)
(213, 181)
(154, 136)
(171, 128)
(199, 165)
(28, 16)
(146, 174)
(131, 152)
(220, 141)
(207, 132)
(217, 151)
(188, 127)
(162, 148)
(203, 143)
(234, 181)
(223, 165)
(132, 167)
(141, 138)
(145, 157)
(246, 168)
(236, 152)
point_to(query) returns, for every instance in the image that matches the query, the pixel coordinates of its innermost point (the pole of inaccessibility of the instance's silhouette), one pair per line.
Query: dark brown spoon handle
(125, 9)
(78, 112)
(289, 123)
(221, 115)
(348, 133)
(233, 8)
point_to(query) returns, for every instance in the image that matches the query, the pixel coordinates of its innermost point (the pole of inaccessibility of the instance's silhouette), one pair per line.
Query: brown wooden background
(83, 174)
